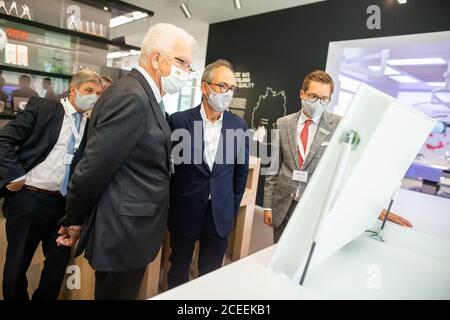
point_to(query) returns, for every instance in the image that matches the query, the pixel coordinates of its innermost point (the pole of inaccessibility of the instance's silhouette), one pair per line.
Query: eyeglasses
(313, 98)
(225, 87)
(184, 64)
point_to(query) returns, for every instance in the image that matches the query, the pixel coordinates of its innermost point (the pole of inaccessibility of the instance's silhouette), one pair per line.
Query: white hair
(163, 36)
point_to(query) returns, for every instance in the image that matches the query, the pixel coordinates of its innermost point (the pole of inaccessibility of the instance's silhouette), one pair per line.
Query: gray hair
(83, 76)
(162, 36)
(208, 73)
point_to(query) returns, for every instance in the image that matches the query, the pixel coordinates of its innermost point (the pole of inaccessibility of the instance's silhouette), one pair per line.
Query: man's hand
(68, 236)
(268, 217)
(15, 186)
(395, 219)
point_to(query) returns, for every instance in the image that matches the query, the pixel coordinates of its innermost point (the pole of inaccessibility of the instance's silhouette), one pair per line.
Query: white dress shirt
(152, 83)
(211, 137)
(49, 174)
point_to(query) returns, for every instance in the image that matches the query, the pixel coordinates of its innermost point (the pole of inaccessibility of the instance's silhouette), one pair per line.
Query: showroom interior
(401, 48)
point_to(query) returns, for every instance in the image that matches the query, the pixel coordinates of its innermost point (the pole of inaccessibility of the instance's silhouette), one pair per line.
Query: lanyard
(77, 135)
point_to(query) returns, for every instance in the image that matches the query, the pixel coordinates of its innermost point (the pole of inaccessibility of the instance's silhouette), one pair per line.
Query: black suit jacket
(120, 188)
(27, 140)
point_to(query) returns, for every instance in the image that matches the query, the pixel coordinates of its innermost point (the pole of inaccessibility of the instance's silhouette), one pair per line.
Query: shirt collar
(152, 83)
(203, 114)
(303, 118)
(69, 107)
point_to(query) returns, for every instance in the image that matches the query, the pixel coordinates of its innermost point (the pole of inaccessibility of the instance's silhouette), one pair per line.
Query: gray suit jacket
(120, 188)
(280, 189)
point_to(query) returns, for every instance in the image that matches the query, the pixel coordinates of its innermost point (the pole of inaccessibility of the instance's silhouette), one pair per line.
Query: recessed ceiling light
(129, 17)
(184, 7)
(402, 1)
(387, 70)
(404, 79)
(105, 8)
(417, 61)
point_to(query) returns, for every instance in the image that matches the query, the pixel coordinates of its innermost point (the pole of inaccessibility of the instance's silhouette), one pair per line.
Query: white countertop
(428, 214)
(411, 264)
(247, 278)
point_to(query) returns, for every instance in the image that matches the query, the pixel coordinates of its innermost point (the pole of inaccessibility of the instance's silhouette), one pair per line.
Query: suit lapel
(197, 150)
(292, 136)
(221, 149)
(160, 117)
(323, 130)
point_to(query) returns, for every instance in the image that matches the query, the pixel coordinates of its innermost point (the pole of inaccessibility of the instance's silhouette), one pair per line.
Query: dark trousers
(277, 232)
(30, 219)
(118, 285)
(211, 253)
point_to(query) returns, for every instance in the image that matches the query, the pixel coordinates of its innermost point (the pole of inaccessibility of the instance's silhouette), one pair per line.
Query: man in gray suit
(303, 139)
(120, 188)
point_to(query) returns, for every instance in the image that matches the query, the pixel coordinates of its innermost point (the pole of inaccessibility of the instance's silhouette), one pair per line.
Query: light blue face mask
(85, 102)
(313, 110)
(174, 81)
(220, 101)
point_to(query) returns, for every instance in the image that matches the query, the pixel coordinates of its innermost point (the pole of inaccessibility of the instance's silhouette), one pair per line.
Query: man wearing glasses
(208, 185)
(119, 194)
(303, 139)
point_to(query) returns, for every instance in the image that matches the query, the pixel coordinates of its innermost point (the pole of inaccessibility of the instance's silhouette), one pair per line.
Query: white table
(411, 264)
(247, 278)
(428, 214)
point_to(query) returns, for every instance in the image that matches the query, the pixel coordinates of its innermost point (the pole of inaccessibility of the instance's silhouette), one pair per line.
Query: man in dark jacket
(36, 152)
(120, 189)
(206, 194)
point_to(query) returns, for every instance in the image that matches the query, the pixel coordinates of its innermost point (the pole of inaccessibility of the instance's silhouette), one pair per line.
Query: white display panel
(390, 134)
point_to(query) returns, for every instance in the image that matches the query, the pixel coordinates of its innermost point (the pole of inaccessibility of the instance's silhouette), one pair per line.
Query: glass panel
(38, 49)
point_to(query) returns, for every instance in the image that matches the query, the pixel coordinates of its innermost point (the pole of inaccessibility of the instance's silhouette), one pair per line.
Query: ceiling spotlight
(184, 7)
(402, 1)
(237, 4)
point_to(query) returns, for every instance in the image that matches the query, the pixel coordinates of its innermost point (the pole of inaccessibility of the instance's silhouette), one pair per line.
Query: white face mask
(219, 101)
(85, 102)
(313, 110)
(174, 81)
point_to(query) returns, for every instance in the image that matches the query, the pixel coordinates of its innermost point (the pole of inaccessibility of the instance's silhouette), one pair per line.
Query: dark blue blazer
(192, 183)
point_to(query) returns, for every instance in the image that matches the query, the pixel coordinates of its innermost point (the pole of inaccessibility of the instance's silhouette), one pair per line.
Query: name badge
(301, 176)
(68, 159)
(324, 131)
(324, 144)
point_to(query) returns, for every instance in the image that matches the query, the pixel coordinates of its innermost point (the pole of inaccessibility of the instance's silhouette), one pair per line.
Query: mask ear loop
(210, 90)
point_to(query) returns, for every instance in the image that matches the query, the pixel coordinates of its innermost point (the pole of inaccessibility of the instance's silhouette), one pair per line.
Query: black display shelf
(34, 72)
(7, 116)
(73, 33)
(119, 5)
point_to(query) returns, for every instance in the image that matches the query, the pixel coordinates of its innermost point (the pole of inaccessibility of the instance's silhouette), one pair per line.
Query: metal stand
(350, 140)
(379, 235)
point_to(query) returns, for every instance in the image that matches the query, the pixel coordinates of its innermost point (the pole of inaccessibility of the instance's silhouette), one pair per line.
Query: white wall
(135, 31)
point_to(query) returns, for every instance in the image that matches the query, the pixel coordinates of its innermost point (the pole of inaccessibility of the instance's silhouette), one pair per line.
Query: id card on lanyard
(78, 135)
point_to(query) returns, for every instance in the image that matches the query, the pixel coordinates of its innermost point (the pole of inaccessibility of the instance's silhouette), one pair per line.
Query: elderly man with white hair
(119, 194)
